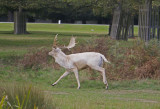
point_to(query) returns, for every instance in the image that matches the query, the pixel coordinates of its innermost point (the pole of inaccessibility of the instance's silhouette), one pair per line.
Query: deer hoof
(53, 84)
(78, 88)
(106, 87)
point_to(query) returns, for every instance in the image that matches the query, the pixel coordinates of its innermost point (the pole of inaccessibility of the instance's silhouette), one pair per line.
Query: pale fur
(75, 62)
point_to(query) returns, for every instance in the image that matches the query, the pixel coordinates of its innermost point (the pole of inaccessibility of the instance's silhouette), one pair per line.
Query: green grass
(132, 94)
(41, 35)
(112, 99)
(63, 28)
(128, 94)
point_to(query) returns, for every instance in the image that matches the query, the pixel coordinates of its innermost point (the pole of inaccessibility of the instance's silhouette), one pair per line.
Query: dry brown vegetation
(133, 61)
(35, 60)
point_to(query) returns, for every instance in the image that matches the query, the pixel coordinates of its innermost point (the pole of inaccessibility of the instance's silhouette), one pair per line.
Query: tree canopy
(71, 9)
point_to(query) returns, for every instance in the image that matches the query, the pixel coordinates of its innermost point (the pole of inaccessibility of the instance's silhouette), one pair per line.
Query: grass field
(125, 94)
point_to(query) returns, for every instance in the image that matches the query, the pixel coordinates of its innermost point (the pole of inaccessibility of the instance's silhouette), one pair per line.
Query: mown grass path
(102, 99)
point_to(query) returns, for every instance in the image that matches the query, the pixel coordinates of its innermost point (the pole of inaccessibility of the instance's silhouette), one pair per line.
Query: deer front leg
(64, 75)
(77, 77)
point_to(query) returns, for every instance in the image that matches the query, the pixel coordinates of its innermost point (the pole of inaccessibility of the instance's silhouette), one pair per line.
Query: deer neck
(60, 56)
(63, 60)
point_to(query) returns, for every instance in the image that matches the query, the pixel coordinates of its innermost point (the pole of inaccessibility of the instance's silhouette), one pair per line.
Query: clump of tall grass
(24, 97)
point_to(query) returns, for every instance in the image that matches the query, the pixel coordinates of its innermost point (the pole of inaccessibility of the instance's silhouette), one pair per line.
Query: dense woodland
(70, 10)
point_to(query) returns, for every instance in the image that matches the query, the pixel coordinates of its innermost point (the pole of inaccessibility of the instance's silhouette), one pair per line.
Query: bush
(35, 60)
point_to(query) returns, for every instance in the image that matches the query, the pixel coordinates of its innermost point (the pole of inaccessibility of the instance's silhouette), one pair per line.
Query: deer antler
(55, 41)
(72, 43)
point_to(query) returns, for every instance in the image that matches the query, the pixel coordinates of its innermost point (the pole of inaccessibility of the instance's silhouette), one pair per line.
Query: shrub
(149, 69)
(35, 60)
(38, 59)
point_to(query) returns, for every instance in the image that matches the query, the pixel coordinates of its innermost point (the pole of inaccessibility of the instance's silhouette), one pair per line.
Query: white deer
(78, 61)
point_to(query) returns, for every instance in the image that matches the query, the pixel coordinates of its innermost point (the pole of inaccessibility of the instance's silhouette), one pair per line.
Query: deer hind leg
(102, 70)
(64, 75)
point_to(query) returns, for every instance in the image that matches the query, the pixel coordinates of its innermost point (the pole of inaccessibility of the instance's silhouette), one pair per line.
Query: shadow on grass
(6, 32)
(40, 33)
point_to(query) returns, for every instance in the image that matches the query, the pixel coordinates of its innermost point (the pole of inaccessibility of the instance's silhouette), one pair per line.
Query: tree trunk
(149, 2)
(128, 19)
(148, 21)
(110, 26)
(20, 22)
(116, 27)
(83, 21)
(131, 27)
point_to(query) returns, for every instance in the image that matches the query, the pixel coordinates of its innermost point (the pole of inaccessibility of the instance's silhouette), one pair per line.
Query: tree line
(66, 10)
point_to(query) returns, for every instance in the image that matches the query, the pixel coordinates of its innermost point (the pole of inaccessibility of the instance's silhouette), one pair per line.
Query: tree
(107, 7)
(20, 7)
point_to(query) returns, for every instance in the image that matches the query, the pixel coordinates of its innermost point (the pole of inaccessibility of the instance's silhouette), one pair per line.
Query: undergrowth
(35, 59)
(129, 60)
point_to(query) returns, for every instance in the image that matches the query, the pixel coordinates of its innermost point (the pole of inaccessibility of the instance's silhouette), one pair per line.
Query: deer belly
(80, 64)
